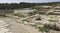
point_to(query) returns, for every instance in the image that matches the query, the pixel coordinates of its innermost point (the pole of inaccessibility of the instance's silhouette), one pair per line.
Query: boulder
(53, 25)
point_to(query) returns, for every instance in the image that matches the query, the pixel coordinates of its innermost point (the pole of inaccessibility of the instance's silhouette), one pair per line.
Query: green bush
(44, 29)
(53, 20)
(19, 14)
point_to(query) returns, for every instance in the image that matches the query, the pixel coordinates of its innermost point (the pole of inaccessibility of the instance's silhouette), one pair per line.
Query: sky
(31, 1)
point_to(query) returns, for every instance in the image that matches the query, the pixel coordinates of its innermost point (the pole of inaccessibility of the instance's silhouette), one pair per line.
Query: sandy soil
(20, 28)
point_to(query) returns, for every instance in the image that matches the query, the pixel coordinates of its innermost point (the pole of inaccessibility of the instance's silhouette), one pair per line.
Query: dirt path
(20, 28)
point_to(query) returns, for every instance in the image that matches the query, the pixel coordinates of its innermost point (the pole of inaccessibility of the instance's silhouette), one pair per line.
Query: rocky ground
(13, 25)
(43, 19)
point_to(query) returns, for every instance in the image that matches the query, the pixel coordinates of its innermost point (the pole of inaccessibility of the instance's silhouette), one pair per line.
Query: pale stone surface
(3, 27)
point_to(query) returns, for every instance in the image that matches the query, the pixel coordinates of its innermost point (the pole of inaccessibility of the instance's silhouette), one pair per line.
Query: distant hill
(21, 5)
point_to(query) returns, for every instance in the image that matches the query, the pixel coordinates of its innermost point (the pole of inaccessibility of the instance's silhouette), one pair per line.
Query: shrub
(53, 20)
(19, 14)
(44, 29)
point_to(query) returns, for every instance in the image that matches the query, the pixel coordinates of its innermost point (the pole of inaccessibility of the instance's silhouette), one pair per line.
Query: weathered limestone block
(53, 25)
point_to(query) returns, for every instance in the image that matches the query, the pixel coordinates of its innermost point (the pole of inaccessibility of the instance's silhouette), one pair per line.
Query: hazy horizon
(29, 1)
